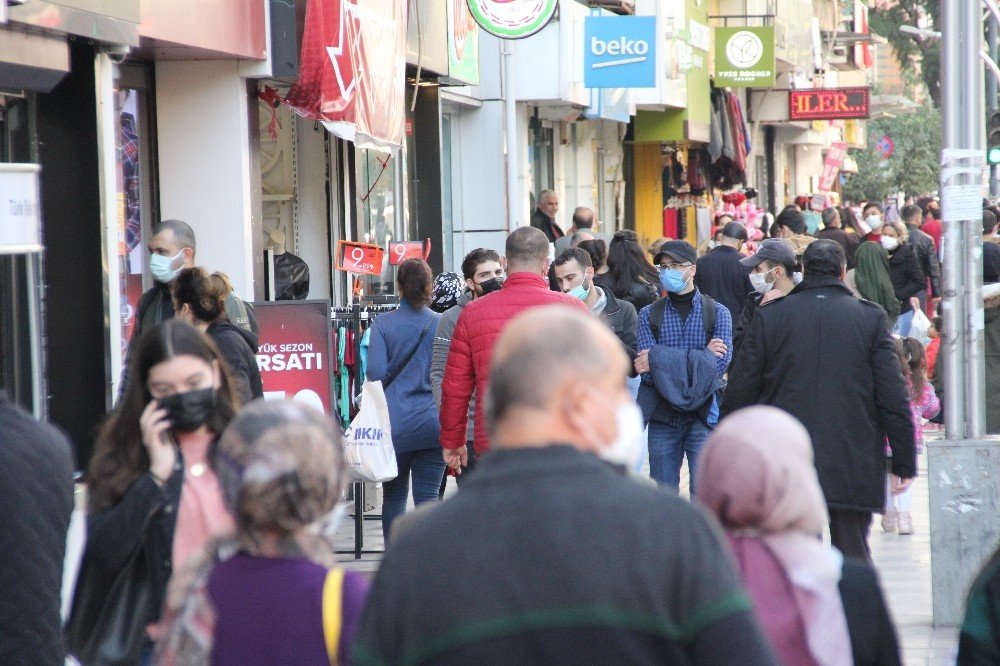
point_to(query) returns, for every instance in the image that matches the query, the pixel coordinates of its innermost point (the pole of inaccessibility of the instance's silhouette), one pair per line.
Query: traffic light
(993, 139)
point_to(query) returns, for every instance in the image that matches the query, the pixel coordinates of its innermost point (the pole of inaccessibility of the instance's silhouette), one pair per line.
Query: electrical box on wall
(287, 20)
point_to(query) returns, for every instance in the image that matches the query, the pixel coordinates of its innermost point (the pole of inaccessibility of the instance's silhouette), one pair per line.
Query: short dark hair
(911, 214)
(735, 230)
(829, 215)
(182, 232)
(416, 282)
(793, 219)
(824, 258)
(583, 218)
(526, 245)
(478, 256)
(582, 257)
(873, 204)
(989, 220)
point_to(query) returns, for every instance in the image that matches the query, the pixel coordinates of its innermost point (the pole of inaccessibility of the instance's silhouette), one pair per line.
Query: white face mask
(631, 439)
(796, 278)
(760, 283)
(874, 221)
(890, 243)
(162, 267)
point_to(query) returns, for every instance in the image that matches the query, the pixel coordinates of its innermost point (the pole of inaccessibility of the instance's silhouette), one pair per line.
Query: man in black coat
(926, 252)
(544, 217)
(36, 487)
(826, 358)
(832, 230)
(720, 273)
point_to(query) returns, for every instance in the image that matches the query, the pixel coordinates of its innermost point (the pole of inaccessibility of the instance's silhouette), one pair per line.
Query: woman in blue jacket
(399, 355)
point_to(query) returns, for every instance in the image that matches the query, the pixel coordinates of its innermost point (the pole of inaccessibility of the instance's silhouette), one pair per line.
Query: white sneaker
(905, 524)
(889, 521)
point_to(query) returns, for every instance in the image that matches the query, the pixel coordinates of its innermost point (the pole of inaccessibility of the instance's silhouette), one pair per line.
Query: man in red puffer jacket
(477, 330)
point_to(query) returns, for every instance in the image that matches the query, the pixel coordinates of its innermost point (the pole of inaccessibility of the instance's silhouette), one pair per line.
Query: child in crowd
(924, 404)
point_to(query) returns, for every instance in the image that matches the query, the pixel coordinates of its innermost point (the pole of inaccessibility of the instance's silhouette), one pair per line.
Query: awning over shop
(30, 61)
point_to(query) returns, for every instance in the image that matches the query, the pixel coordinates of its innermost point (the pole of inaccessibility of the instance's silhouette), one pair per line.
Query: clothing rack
(358, 318)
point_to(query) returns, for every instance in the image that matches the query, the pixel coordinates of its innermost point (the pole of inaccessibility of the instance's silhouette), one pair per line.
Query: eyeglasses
(674, 267)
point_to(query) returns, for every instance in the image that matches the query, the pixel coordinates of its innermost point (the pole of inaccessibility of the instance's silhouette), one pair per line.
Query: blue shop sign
(619, 52)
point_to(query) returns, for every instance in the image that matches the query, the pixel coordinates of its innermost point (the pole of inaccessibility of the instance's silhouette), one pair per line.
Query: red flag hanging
(352, 70)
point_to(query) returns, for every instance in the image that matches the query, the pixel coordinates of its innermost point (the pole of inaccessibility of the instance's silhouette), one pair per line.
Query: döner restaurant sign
(828, 104)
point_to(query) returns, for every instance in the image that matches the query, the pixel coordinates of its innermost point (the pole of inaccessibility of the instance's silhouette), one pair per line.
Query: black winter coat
(907, 277)
(721, 276)
(926, 251)
(827, 358)
(621, 318)
(640, 293)
(36, 487)
(238, 348)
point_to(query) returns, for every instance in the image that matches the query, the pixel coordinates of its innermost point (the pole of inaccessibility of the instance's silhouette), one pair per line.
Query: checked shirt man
(684, 342)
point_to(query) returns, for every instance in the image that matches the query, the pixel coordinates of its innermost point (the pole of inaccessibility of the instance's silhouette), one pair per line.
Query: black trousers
(849, 533)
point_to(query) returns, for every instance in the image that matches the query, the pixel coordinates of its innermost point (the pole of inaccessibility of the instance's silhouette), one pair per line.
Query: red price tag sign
(403, 250)
(359, 258)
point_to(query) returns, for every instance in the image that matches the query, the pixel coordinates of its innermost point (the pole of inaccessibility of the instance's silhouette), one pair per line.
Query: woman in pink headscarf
(756, 474)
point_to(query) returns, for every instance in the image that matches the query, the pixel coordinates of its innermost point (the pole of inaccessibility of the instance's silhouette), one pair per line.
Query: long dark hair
(916, 359)
(205, 294)
(627, 264)
(119, 454)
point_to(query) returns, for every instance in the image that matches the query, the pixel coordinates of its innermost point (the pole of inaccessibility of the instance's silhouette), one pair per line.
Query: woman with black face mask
(153, 497)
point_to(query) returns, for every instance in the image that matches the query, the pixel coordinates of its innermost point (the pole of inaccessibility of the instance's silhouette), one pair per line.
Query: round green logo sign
(512, 19)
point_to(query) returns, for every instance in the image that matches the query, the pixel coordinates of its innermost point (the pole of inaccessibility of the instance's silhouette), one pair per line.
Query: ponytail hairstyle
(916, 359)
(205, 294)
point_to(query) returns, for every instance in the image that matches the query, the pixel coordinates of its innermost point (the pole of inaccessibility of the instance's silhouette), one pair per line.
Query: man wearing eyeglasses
(684, 342)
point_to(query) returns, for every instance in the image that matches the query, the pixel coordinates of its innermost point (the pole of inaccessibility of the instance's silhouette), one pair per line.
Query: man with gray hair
(544, 217)
(832, 230)
(476, 331)
(620, 571)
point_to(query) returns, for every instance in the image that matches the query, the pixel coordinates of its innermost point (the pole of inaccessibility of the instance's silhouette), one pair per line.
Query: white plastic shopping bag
(368, 440)
(919, 327)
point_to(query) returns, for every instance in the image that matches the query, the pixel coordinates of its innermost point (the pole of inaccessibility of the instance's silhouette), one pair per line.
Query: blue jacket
(684, 380)
(412, 410)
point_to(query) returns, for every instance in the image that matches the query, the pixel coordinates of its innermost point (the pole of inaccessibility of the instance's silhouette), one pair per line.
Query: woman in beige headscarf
(756, 474)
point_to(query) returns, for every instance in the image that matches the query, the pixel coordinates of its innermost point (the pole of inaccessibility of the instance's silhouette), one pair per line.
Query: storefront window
(383, 210)
(134, 189)
(447, 217)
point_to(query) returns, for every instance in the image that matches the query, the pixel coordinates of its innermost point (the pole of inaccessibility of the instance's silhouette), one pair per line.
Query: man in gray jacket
(483, 275)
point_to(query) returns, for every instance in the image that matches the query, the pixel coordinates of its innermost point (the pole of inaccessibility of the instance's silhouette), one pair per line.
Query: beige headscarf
(756, 474)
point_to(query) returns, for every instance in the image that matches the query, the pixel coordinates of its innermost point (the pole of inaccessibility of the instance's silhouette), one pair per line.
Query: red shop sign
(295, 354)
(403, 250)
(828, 104)
(359, 258)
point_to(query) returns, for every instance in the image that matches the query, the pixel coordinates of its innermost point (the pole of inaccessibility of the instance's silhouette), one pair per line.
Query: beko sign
(620, 52)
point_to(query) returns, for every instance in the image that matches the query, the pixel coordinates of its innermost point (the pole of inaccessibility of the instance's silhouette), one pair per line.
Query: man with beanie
(720, 273)
(685, 334)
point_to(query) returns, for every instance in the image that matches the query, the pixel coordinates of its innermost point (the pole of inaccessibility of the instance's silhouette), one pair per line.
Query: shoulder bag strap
(388, 380)
(333, 588)
(708, 317)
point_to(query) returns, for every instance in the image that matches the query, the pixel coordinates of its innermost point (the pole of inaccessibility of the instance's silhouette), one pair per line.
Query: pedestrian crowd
(795, 380)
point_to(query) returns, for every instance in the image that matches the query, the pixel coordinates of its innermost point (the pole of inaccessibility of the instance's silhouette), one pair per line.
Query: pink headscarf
(756, 474)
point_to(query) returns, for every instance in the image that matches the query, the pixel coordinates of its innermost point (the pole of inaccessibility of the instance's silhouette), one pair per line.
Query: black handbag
(107, 626)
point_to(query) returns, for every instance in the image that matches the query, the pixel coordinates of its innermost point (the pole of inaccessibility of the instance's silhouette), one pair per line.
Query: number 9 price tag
(360, 258)
(403, 250)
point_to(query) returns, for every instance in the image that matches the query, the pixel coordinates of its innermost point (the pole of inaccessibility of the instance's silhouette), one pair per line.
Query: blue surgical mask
(161, 267)
(672, 280)
(580, 291)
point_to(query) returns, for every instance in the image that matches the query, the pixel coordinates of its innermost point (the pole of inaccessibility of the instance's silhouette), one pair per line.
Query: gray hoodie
(442, 343)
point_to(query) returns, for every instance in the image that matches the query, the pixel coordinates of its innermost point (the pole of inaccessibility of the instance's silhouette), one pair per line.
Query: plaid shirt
(688, 333)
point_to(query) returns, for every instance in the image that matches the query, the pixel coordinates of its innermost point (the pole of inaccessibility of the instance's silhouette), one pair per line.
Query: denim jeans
(903, 323)
(427, 467)
(668, 444)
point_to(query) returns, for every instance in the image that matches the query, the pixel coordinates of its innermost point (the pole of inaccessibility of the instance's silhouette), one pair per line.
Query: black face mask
(491, 285)
(189, 411)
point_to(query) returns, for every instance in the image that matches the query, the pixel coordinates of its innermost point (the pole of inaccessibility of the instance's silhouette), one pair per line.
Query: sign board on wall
(20, 215)
(744, 57)
(402, 250)
(295, 356)
(831, 165)
(512, 19)
(463, 44)
(828, 104)
(619, 52)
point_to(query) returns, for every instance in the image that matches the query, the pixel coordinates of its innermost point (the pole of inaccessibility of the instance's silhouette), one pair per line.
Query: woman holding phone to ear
(153, 497)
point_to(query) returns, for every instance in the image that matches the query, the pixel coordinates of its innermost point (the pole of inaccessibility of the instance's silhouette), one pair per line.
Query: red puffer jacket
(476, 332)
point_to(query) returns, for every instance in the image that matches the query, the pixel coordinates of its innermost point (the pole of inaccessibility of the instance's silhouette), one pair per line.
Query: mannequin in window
(291, 273)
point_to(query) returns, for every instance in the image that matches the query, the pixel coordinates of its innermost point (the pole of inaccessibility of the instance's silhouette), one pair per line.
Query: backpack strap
(657, 311)
(708, 314)
(333, 588)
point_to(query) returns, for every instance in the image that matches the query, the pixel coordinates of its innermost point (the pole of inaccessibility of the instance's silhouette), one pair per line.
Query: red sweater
(476, 332)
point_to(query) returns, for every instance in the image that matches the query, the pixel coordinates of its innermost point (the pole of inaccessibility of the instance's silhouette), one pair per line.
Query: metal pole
(510, 136)
(992, 40)
(957, 86)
